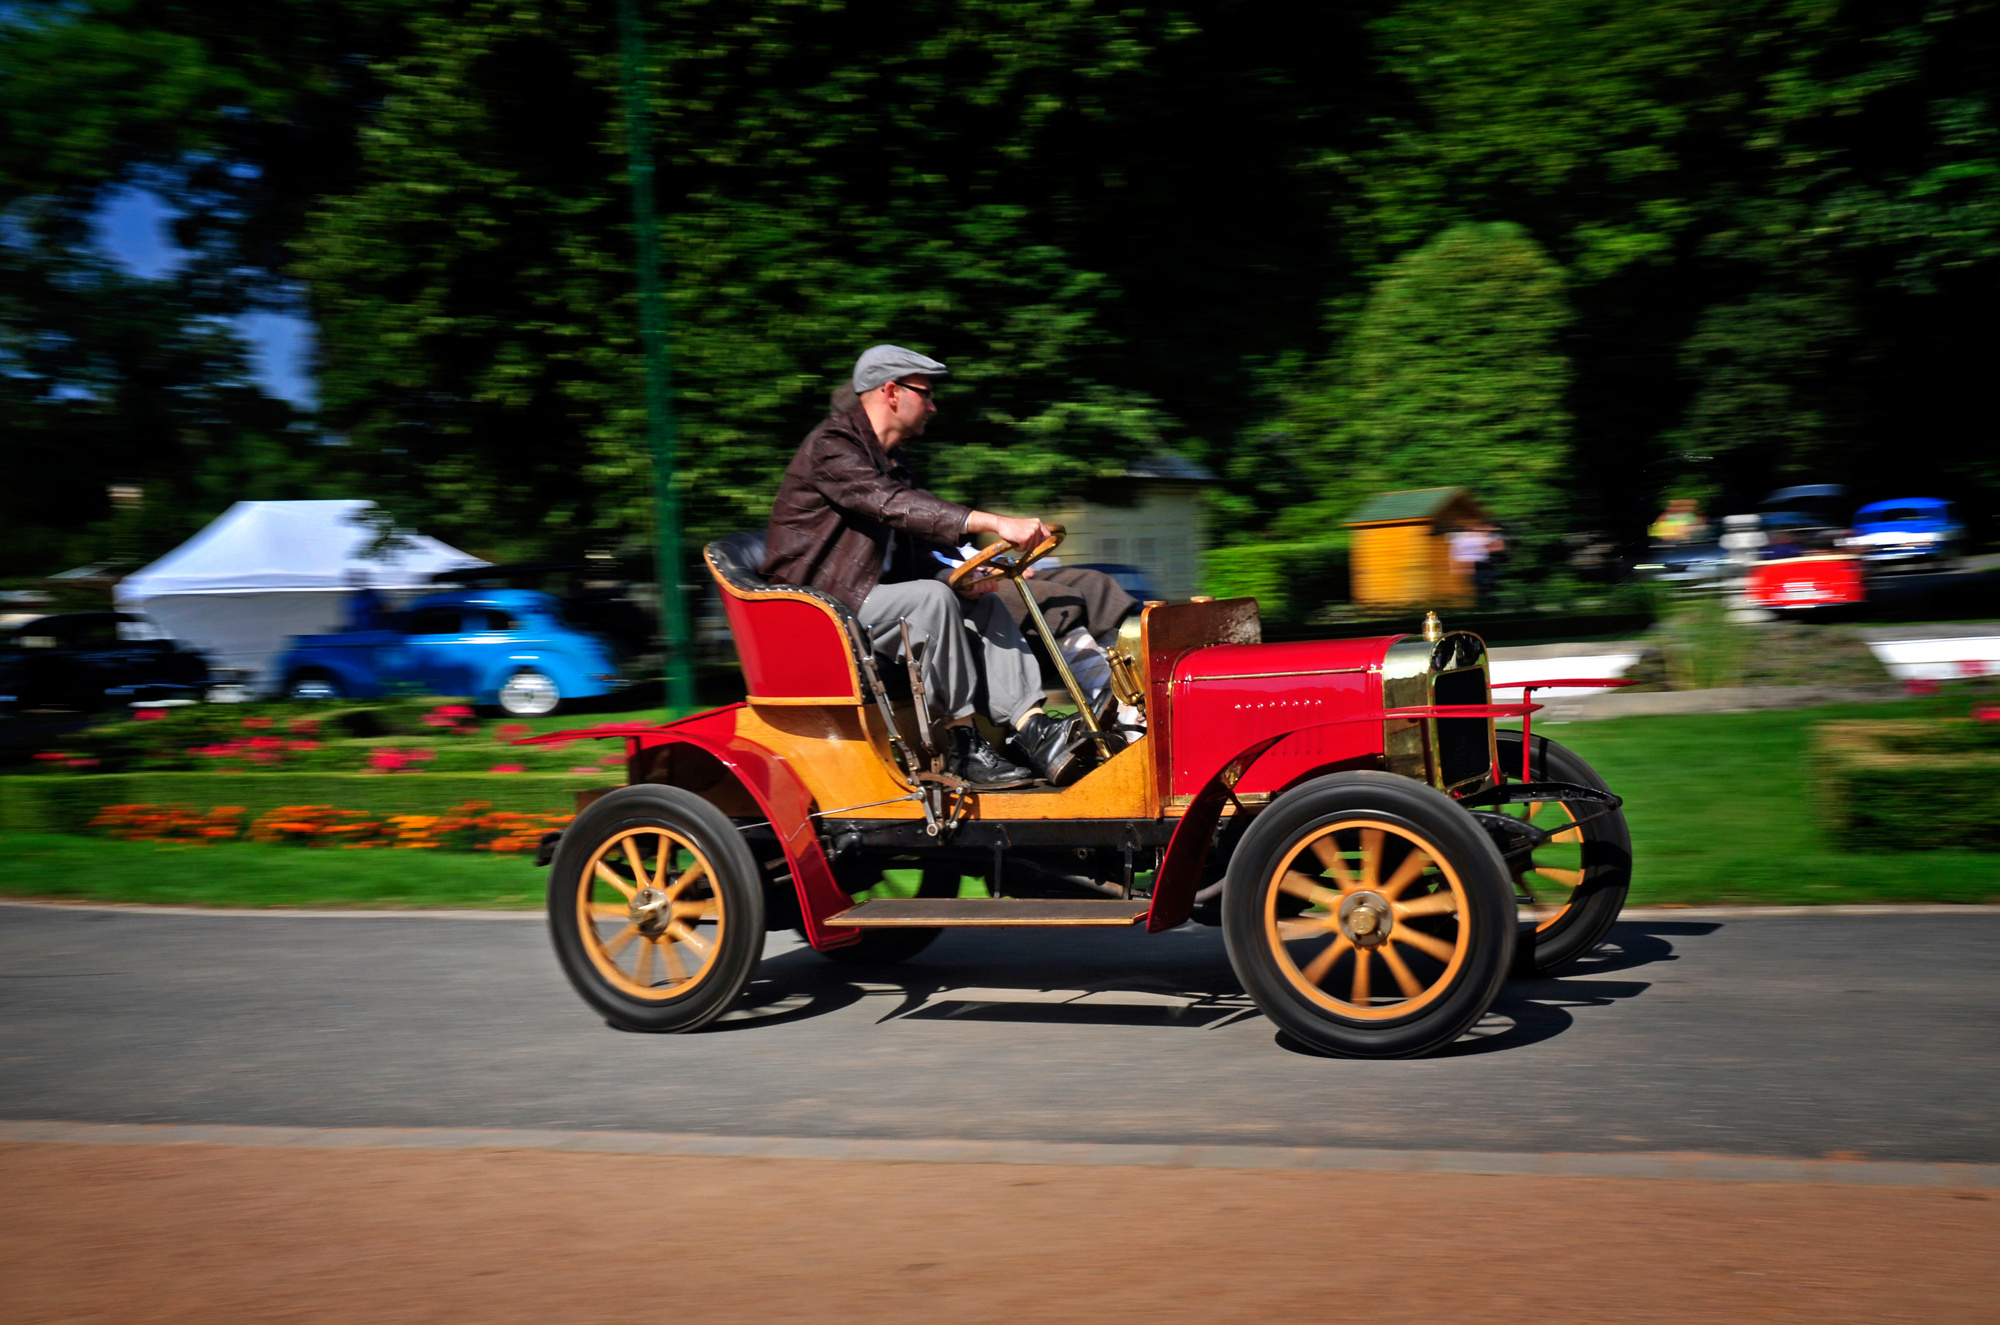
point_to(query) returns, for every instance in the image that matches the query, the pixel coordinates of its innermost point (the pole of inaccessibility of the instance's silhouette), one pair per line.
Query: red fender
(1175, 885)
(778, 793)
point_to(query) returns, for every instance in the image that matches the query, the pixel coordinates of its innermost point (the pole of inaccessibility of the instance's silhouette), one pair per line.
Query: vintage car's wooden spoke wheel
(1575, 884)
(1369, 915)
(1377, 935)
(651, 919)
(656, 908)
(1546, 890)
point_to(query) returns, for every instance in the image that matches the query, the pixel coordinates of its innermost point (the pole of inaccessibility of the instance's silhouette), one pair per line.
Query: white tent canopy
(267, 570)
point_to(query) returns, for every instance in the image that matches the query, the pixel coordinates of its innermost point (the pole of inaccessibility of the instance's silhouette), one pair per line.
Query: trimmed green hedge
(68, 804)
(1287, 579)
(1910, 784)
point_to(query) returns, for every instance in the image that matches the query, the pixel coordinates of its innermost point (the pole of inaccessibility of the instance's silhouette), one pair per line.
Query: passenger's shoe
(980, 764)
(1055, 747)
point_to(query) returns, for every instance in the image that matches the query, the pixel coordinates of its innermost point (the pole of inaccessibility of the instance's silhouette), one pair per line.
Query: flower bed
(473, 826)
(39, 804)
(386, 737)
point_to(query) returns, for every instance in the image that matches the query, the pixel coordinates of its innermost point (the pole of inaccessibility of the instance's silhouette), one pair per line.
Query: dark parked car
(87, 660)
(1130, 578)
(1802, 520)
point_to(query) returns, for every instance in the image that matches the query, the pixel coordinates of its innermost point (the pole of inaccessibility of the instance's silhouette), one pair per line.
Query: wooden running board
(967, 912)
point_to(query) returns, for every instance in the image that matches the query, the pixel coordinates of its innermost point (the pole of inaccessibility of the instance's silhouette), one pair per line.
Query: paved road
(1791, 1035)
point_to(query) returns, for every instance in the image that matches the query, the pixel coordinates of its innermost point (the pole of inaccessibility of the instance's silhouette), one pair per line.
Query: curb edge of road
(1649, 1165)
(1666, 912)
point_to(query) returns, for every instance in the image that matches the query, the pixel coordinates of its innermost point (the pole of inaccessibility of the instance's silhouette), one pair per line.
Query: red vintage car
(1379, 857)
(1795, 583)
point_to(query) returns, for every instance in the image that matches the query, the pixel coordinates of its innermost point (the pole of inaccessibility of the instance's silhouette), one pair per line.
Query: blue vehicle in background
(506, 648)
(1905, 530)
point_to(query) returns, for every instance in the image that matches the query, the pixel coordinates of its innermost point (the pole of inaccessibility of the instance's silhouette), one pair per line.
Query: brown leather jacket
(841, 497)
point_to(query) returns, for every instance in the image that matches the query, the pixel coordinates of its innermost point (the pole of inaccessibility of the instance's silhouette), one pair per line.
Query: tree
(1455, 378)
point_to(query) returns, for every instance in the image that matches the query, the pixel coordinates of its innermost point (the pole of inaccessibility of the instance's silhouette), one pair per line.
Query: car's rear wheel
(1369, 915)
(314, 686)
(1571, 889)
(656, 909)
(529, 694)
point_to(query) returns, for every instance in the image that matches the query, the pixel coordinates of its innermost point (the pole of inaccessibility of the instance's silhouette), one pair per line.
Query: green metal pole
(659, 363)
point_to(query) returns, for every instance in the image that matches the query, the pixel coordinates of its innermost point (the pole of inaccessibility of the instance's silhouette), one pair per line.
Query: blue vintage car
(509, 648)
(1905, 529)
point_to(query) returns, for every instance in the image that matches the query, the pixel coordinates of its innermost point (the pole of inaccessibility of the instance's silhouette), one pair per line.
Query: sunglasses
(923, 391)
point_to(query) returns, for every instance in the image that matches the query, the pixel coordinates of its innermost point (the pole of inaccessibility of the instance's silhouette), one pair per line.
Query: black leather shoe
(980, 764)
(1054, 747)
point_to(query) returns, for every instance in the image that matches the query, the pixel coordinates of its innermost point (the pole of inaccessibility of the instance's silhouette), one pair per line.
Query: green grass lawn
(252, 874)
(1719, 807)
(1721, 812)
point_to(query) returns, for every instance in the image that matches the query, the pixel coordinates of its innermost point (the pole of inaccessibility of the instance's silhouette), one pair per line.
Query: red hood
(1303, 658)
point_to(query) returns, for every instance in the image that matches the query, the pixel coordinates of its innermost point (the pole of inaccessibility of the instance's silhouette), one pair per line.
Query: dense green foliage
(1579, 253)
(1453, 375)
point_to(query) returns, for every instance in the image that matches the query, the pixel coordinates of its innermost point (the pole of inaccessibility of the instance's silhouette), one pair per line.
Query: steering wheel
(996, 550)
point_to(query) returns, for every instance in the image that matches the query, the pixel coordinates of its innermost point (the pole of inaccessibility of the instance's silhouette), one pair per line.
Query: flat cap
(886, 363)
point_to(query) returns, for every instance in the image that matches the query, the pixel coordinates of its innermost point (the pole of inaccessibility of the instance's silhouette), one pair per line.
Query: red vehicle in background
(1819, 580)
(1378, 857)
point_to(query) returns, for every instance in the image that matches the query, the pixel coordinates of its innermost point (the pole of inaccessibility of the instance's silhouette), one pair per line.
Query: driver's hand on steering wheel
(1023, 532)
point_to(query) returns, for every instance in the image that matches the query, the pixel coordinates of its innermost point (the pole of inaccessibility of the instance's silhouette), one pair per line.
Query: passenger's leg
(1072, 597)
(1014, 689)
(1013, 677)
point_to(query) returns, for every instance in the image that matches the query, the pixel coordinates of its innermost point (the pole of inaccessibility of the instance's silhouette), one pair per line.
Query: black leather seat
(739, 560)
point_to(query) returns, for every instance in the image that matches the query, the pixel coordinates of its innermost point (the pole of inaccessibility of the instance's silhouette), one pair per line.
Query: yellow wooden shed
(1400, 553)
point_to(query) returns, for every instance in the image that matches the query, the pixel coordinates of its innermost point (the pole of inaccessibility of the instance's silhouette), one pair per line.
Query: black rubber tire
(1607, 865)
(1456, 837)
(736, 882)
(886, 947)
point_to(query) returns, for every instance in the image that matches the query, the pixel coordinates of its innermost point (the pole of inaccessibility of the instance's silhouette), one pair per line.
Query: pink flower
(304, 726)
(256, 724)
(586, 768)
(1986, 713)
(1920, 685)
(512, 731)
(149, 715)
(83, 763)
(453, 710)
(53, 756)
(508, 768)
(302, 745)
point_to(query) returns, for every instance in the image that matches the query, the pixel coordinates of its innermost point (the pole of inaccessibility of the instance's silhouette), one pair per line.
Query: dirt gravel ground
(210, 1233)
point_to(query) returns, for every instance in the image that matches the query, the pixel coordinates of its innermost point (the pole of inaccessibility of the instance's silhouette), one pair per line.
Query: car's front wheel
(1369, 915)
(529, 694)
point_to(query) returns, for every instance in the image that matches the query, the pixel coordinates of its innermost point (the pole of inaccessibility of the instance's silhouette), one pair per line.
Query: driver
(851, 522)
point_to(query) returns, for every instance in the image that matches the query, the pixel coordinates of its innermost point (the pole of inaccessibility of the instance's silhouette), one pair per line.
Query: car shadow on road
(1534, 1010)
(1190, 987)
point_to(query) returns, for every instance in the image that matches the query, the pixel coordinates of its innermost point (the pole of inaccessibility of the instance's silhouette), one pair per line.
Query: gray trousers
(964, 635)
